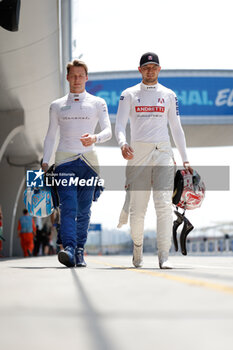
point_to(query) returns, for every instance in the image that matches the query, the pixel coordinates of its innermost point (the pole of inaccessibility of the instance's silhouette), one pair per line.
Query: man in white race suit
(76, 115)
(150, 107)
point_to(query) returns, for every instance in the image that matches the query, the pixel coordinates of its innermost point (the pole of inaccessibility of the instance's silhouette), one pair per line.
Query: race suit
(150, 109)
(75, 115)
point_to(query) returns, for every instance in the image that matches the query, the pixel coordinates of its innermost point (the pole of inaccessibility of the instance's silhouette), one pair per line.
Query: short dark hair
(25, 211)
(76, 63)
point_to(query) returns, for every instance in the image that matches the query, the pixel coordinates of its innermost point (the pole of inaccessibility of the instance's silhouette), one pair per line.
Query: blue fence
(201, 99)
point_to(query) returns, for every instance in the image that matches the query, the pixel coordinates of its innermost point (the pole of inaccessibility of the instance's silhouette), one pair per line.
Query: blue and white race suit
(74, 115)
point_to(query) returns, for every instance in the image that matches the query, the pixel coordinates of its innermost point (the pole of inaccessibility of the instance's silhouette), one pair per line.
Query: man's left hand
(87, 139)
(188, 167)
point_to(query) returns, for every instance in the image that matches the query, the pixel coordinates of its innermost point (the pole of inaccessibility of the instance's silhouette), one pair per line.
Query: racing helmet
(189, 190)
(38, 201)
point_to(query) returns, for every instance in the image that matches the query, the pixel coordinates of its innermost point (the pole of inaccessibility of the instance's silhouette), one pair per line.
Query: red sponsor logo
(149, 109)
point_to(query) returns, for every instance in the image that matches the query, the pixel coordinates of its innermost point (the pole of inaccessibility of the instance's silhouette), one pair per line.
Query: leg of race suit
(30, 243)
(68, 206)
(23, 245)
(163, 207)
(84, 201)
(83, 217)
(140, 191)
(27, 243)
(163, 179)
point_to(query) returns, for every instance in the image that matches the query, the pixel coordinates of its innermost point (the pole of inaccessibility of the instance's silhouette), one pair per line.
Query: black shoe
(79, 257)
(66, 257)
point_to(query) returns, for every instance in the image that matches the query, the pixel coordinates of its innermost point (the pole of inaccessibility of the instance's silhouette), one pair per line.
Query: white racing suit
(150, 110)
(75, 115)
(151, 163)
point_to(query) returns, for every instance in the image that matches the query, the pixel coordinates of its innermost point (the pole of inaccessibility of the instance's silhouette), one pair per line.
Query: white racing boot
(137, 255)
(164, 263)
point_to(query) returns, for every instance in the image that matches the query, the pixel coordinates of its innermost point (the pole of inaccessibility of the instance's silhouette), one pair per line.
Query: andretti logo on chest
(150, 109)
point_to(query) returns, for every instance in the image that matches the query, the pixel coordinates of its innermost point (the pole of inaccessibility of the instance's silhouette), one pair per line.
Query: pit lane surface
(111, 305)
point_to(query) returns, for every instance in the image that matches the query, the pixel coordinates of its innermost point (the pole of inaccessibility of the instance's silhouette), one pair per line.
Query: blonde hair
(76, 63)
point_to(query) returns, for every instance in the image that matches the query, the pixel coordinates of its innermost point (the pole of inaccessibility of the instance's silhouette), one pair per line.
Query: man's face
(77, 79)
(150, 73)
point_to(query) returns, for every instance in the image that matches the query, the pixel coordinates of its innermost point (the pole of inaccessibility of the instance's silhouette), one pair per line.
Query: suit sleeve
(176, 127)
(105, 125)
(51, 133)
(122, 118)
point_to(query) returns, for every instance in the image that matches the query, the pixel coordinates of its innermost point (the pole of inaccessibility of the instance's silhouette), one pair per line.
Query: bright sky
(112, 35)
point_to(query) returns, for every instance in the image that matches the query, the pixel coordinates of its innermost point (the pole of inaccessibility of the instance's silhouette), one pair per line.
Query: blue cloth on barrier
(38, 201)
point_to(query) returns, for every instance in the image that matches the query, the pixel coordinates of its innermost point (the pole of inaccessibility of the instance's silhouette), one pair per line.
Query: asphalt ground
(112, 306)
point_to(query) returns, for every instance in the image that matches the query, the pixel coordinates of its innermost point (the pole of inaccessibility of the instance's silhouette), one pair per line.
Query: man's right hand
(45, 167)
(127, 151)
